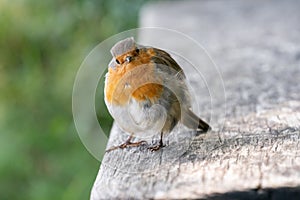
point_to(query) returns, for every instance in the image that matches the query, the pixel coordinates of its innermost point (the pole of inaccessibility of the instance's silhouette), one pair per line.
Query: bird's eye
(117, 61)
(128, 58)
(137, 50)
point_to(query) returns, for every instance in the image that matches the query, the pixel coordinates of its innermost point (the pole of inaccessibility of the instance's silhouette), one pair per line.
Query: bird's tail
(192, 121)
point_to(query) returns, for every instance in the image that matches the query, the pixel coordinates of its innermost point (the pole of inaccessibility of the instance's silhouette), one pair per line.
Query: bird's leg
(160, 145)
(126, 144)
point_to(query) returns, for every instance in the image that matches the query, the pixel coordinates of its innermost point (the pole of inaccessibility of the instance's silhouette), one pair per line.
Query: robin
(145, 92)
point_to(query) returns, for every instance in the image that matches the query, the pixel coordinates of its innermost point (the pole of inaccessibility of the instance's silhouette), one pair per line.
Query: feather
(123, 46)
(192, 121)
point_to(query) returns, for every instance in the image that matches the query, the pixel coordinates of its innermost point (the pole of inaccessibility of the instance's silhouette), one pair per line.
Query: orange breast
(136, 79)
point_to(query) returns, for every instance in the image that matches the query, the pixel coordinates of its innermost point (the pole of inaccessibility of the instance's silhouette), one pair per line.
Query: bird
(146, 92)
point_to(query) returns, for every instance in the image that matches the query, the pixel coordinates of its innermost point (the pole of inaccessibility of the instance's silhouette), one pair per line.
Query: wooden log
(256, 154)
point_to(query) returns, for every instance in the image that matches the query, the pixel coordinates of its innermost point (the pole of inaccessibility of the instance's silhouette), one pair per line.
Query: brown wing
(165, 59)
(175, 80)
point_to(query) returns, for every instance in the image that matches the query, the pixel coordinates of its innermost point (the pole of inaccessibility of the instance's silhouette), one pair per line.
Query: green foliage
(42, 44)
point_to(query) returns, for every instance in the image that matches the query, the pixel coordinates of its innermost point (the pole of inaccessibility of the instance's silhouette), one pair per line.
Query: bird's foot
(125, 145)
(156, 147)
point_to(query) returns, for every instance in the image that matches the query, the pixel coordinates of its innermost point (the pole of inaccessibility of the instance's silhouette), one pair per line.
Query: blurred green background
(42, 44)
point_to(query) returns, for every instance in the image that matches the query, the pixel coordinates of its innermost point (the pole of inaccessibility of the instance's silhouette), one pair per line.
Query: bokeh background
(42, 44)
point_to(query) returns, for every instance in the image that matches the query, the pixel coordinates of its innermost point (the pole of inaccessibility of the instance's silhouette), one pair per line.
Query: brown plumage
(140, 77)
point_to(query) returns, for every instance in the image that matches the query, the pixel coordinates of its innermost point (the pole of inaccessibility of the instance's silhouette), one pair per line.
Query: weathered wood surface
(257, 153)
